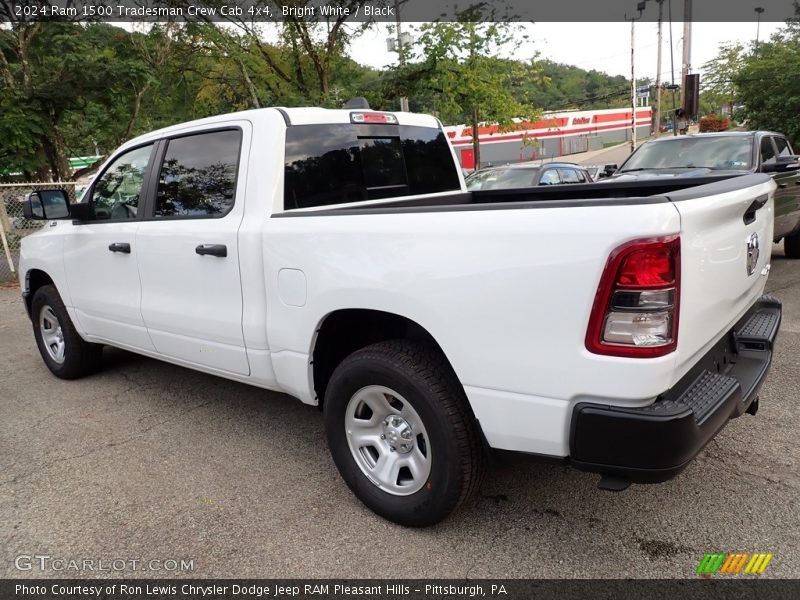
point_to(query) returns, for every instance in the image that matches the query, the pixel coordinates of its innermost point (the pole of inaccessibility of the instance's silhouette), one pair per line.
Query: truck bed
(581, 194)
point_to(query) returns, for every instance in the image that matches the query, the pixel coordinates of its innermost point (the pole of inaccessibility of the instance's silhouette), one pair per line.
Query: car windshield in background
(502, 178)
(713, 152)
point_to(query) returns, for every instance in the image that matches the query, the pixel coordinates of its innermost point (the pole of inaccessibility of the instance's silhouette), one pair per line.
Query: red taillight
(648, 268)
(635, 312)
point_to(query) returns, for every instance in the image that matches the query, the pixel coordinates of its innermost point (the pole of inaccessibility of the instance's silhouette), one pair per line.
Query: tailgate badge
(752, 253)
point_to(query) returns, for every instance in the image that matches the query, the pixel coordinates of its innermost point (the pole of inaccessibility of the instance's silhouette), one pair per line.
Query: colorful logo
(734, 564)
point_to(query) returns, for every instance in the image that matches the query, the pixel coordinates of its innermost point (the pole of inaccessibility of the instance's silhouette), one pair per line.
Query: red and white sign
(553, 125)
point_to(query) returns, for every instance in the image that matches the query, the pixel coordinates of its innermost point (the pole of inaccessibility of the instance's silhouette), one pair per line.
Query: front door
(188, 250)
(786, 196)
(100, 255)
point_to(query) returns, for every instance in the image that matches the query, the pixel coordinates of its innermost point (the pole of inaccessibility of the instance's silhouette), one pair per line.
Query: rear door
(188, 249)
(726, 242)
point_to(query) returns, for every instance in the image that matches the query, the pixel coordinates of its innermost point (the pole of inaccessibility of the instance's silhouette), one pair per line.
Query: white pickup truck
(336, 255)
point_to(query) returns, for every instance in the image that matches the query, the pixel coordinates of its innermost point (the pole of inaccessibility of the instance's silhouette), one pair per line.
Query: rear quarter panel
(506, 293)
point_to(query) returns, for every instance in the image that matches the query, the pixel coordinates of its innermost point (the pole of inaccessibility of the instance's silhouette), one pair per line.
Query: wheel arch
(342, 332)
(34, 279)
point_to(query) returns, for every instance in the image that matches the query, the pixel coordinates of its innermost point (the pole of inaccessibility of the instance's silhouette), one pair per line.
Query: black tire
(791, 245)
(422, 376)
(80, 357)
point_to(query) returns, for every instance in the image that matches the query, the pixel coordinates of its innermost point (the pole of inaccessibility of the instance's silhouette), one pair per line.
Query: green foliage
(455, 73)
(70, 89)
(768, 86)
(459, 68)
(760, 82)
(719, 85)
(559, 87)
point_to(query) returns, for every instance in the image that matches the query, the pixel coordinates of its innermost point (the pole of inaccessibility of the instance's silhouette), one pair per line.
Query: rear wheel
(63, 350)
(791, 245)
(401, 432)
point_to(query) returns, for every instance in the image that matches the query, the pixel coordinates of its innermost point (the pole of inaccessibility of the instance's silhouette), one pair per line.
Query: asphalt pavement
(148, 461)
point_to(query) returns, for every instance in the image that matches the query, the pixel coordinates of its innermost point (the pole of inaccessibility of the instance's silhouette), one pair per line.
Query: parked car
(595, 171)
(527, 174)
(726, 154)
(617, 326)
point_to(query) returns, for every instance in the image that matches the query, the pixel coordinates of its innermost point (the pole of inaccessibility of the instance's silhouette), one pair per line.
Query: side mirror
(46, 205)
(80, 211)
(609, 169)
(781, 164)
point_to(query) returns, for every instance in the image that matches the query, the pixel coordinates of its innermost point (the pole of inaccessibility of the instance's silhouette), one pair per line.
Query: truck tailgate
(726, 243)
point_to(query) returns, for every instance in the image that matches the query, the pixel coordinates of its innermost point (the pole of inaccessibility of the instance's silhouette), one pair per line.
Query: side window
(116, 193)
(549, 177)
(784, 149)
(767, 151)
(198, 175)
(569, 176)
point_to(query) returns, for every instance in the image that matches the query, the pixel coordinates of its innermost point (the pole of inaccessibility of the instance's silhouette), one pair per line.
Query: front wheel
(401, 433)
(63, 350)
(791, 245)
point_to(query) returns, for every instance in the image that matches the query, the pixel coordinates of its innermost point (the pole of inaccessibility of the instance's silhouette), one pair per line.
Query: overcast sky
(602, 46)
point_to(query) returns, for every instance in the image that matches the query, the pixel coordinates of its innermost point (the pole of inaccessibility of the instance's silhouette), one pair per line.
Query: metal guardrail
(14, 226)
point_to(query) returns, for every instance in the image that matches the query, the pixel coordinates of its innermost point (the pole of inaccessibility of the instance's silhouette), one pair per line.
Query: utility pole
(658, 67)
(672, 86)
(401, 51)
(640, 7)
(759, 10)
(687, 48)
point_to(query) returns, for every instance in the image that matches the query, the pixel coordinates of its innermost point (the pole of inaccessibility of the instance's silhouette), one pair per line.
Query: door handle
(119, 247)
(782, 185)
(220, 250)
(750, 213)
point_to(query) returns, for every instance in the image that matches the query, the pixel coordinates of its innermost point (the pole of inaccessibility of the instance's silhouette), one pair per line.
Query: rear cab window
(341, 163)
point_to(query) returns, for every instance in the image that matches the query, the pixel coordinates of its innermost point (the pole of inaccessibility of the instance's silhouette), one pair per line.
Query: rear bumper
(655, 443)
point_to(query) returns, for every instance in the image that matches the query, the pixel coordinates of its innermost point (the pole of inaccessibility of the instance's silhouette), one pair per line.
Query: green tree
(768, 87)
(719, 78)
(456, 67)
(299, 67)
(69, 88)
(559, 87)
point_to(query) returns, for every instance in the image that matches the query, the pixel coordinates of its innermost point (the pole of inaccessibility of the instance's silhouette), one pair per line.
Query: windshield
(495, 179)
(723, 152)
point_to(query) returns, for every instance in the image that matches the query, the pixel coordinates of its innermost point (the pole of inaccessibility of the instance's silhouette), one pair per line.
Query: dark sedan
(527, 174)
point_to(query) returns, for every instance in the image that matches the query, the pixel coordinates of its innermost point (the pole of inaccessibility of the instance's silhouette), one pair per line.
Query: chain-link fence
(14, 226)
